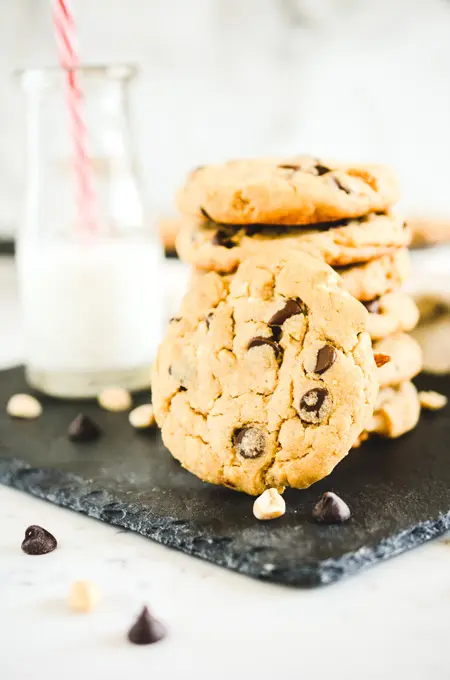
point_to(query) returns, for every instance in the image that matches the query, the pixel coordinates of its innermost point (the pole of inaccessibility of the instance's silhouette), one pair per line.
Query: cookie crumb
(142, 417)
(146, 630)
(381, 359)
(23, 406)
(432, 400)
(38, 541)
(115, 399)
(83, 596)
(331, 509)
(269, 505)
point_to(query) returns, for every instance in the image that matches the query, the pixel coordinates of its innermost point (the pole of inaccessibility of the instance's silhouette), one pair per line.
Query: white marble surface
(389, 622)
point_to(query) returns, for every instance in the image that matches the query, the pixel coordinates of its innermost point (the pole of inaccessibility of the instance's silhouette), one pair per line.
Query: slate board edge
(75, 494)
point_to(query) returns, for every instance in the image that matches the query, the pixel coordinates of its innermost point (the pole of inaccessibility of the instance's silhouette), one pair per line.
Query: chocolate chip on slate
(381, 359)
(321, 169)
(259, 341)
(373, 306)
(341, 186)
(291, 308)
(83, 429)
(288, 166)
(314, 405)
(205, 215)
(38, 541)
(331, 509)
(222, 238)
(250, 442)
(146, 630)
(326, 356)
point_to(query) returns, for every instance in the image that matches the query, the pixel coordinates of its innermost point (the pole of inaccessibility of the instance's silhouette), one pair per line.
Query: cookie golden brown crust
(265, 378)
(290, 191)
(218, 247)
(377, 277)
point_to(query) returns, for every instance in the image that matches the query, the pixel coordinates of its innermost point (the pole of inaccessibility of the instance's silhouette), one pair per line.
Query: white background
(354, 79)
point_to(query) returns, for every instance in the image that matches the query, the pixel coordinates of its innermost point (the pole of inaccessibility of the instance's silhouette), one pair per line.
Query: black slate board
(399, 492)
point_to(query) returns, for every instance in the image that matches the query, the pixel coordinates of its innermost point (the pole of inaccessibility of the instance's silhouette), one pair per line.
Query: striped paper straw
(68, 56)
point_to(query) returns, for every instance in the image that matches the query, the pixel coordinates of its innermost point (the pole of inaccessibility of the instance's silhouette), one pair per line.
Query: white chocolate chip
(432, 400)
(23, 406)
(269, 505)
(115, 399)
(142, 417)
(83, 596)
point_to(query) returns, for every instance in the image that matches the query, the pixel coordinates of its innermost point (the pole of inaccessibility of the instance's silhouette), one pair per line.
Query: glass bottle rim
(41, 77)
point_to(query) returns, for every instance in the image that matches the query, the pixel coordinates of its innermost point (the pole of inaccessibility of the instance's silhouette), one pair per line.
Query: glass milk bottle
(91, 302)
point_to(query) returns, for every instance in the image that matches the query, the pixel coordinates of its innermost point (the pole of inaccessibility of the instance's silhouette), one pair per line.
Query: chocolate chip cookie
(397, 411)
(391, 313)
(405, 359)
(222, 248)
(297, 190)
(266, 377)
(377, 277)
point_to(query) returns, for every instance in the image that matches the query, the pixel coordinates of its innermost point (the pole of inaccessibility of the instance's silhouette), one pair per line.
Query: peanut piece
(83, 596)
(23, 406)
(432, 400)
(142, 417)
(269, 505)
(115, 399)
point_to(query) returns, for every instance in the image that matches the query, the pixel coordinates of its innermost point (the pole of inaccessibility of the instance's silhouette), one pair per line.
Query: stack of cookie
(340, 214)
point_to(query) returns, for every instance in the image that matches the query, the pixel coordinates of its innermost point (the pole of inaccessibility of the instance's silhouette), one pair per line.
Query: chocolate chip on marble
(146, 630)
(381, 359)
(373, 306)
(83, 429)
(314, 405)
(38, 541)
(341, 186)
(205, 215)
(291, 308)
(259, 341)
(289, 166)
(321, 169)
(331, 509)
(250, 442)
(222, 238)
(326, 356)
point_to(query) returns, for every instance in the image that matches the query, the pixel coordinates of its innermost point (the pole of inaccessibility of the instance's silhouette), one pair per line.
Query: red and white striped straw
(68, 56)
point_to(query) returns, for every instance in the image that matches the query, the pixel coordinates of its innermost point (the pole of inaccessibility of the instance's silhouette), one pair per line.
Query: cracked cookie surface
(222, 248)
(291, 191)
(266, 377)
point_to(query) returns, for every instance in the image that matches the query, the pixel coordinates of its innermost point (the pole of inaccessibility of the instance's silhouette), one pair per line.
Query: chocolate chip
(321, 169)
(381, 359)
(83, 429)
(291, 308)
(259, 341)
(222, 238)
(288, 166)
(326, 356)
(341, 186)
(208, 319)
(373, 306)
(146, 630)
(175, 319)
(331, 509)
(252, 229)
(38, 541)
(277, 332)
(314, 405)
(250, 442)
(205, 214)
